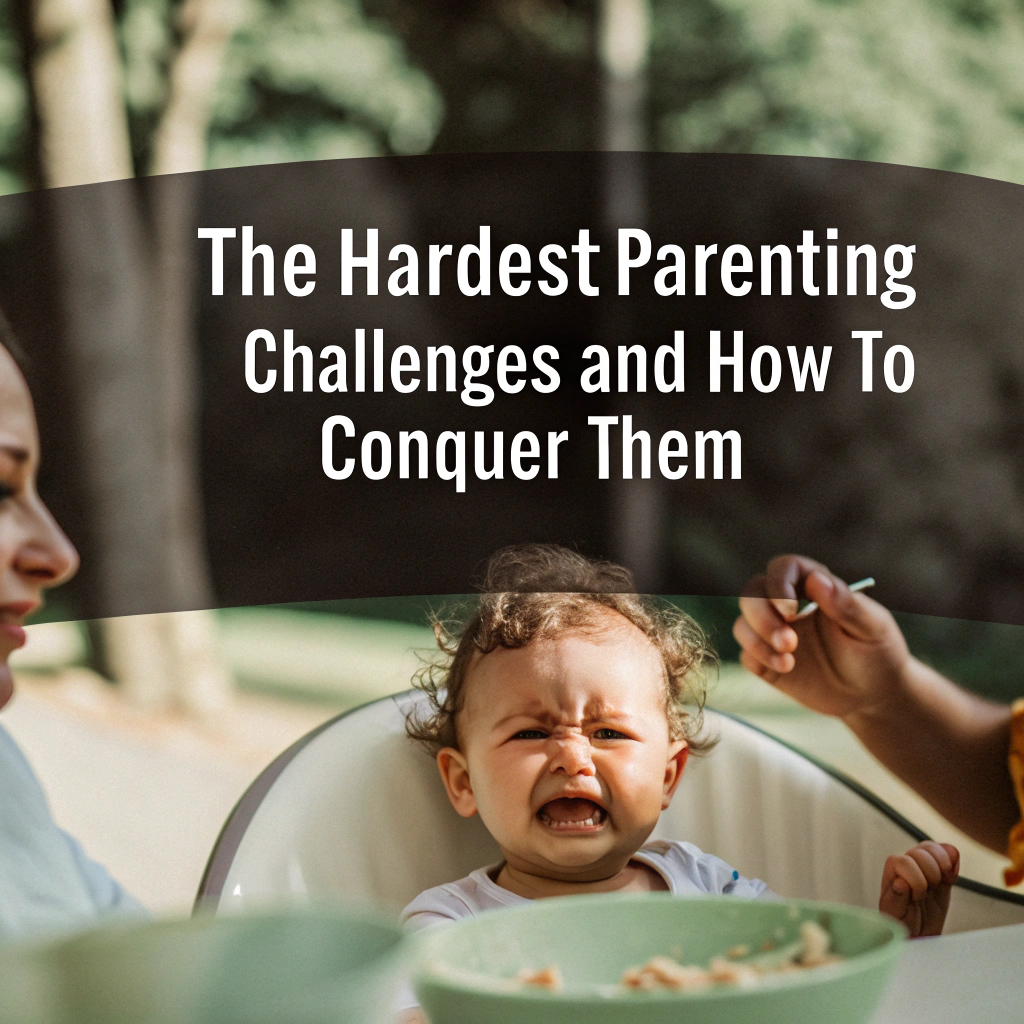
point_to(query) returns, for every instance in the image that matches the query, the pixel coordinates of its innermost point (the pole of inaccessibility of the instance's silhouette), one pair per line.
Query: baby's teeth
(591, 822)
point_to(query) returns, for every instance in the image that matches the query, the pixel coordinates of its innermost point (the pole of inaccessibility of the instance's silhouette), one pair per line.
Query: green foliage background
(933, 83)
(987, 657)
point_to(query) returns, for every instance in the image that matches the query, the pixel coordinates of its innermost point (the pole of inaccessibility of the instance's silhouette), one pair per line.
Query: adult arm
(950, 746)
(850, 660)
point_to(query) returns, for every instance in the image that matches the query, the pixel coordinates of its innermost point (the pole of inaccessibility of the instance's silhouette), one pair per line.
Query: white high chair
(357, 811)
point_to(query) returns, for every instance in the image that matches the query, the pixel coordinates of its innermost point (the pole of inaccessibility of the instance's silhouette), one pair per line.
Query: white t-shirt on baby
(687, 872)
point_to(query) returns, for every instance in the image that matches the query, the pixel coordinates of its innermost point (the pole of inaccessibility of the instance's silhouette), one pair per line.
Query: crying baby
(563, 714)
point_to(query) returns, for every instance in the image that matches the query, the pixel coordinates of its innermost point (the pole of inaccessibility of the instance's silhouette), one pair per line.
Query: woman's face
(34, 553)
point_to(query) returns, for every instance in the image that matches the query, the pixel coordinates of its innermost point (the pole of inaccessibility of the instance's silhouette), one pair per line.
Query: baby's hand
(916, 886)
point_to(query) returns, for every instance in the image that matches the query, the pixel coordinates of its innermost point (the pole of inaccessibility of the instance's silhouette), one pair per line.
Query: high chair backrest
(356, 810)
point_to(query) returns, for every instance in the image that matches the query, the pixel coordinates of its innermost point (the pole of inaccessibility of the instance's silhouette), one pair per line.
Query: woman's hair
(540, 591)
(9, 341)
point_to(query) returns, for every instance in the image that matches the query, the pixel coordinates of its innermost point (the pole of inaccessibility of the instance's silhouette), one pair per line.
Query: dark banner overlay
(689, 363)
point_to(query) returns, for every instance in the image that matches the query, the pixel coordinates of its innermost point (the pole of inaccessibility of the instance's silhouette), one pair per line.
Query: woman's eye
(609, 734)
(530, 734)
(6, 491)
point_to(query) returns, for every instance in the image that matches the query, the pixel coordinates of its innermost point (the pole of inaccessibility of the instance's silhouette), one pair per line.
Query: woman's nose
(572, 756)
(46, 555)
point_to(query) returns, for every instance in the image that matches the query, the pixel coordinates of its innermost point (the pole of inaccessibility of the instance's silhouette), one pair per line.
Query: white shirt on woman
(47, 884)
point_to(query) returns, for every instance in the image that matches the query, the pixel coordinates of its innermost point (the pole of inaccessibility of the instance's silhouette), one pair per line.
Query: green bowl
(303, 967)
(462, 971)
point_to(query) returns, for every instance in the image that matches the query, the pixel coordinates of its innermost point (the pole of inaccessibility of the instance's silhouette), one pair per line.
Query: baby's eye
(530, 734)
(609, 734)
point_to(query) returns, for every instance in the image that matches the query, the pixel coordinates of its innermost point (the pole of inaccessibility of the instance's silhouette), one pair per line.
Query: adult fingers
(856, 614)
(760, 651)
(758, 668)
(783, 581)
(764, 618)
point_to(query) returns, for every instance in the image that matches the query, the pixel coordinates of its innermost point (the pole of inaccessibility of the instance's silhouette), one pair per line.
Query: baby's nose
(572, 756)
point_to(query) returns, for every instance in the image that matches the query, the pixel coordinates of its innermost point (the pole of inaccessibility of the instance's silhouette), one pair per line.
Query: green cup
(463, 973)
(289, 967)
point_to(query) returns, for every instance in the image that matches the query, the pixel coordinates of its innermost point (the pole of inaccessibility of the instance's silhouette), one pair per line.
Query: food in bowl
(811, 950)
(475, 970)
(548, 977)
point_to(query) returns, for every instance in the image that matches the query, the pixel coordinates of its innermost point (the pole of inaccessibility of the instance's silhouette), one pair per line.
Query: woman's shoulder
(21, 794)
(11, 756)
(47, 883)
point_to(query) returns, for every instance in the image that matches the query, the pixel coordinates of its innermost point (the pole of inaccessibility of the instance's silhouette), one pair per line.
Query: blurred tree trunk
(84, 139)
(129, 327)
(180, 146)
(624, 31)
(624, 39)
(201, 680)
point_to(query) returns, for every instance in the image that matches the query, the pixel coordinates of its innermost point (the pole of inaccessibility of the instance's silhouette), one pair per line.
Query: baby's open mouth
(572, 813)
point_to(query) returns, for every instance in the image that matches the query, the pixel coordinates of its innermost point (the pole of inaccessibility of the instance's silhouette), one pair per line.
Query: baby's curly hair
(539, 591)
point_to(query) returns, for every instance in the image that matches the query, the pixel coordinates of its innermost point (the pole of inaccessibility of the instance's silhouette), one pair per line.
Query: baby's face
(566, 753)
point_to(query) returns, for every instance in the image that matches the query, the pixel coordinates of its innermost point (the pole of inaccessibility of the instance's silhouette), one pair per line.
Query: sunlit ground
(147, 792)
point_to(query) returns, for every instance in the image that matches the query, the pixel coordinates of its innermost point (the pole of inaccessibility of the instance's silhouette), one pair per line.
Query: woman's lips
(15, 612)
(572, 814)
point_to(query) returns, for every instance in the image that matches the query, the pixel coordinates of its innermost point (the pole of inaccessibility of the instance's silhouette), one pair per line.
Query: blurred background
(146, 786)
(146, 729)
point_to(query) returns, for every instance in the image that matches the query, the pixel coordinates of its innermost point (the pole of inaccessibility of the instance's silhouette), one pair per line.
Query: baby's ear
(678, 752)
(455, 774)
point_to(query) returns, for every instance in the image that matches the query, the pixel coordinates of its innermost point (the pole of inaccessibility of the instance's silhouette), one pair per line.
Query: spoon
(812, 606)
